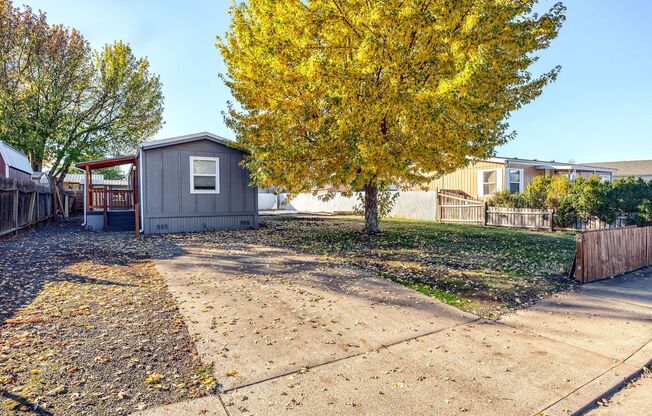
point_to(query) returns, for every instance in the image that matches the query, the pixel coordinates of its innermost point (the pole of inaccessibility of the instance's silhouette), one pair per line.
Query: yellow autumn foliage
(352, 93)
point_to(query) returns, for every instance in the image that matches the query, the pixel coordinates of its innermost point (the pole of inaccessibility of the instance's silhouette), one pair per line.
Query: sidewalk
(553, 359)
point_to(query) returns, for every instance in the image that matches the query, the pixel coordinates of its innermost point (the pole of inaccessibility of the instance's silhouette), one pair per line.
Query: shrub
(644, 214)
(558, 188)
(535, 195)
(505, 199)
(628, 194)
(594, 198)
(565, 213)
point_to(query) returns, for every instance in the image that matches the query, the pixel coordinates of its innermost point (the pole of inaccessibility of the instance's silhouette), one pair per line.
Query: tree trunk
(371, 225)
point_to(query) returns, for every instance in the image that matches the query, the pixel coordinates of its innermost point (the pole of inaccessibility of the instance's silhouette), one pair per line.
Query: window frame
(481, 181)
(216, 175)
(521, 184)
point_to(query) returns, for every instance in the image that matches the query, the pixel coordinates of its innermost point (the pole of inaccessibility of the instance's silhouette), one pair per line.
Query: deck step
(121, 221)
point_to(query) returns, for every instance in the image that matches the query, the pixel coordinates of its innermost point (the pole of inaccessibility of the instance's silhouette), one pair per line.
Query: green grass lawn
(482, 269)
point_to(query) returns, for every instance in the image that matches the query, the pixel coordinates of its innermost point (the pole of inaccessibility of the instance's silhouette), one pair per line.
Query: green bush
(565, 214)
(643, 214)
(558, 188)
(506, 199)
(594, 198)
(535, 195)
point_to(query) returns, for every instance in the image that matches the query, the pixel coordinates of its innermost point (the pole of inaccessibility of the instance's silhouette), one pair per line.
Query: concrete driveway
(290, 333)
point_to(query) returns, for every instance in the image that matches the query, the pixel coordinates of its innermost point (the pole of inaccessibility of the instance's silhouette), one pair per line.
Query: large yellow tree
(357, 93)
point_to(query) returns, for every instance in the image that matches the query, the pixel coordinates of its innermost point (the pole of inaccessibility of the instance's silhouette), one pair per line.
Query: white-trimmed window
(489, 182)
(204, 175)
(515, 180)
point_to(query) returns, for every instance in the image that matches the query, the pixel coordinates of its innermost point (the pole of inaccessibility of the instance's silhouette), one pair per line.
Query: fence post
(106, 212)
(30, 213)
(551, 215)
(437, 208)
(485, 212)
(16, 198)
(579, 257)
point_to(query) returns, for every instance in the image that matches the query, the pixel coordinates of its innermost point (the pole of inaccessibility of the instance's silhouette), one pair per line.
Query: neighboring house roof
(80, 178)
(628, 168)
(185, 139)
(41, 178)
(115, 182)
(551, 164)
(97, 179)
(15, 159)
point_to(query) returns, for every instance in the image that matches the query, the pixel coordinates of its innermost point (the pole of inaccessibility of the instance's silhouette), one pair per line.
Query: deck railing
(111, 199)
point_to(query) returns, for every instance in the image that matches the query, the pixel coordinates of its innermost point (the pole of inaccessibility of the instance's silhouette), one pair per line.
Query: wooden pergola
(101, 198)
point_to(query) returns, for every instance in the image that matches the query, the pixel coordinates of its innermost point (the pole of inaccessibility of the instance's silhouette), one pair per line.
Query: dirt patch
(87, 326)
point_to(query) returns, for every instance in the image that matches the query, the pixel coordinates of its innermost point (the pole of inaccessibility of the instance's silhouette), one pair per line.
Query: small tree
(359, 93)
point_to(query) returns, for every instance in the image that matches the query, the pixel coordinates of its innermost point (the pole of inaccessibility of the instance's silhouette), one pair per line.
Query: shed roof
(185, 139)
(15, 159)
(629, 167)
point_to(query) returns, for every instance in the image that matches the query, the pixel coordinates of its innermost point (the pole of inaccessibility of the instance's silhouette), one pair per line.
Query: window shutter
(499, 179)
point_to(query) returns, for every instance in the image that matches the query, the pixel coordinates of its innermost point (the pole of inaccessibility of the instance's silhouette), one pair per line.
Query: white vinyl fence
(416, 205)
(266, 202)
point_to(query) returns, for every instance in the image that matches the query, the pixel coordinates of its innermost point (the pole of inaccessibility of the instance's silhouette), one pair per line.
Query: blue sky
(599, 109)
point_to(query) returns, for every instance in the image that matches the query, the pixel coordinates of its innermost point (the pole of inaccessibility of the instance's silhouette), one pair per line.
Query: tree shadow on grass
(49, 255)
(22, 402)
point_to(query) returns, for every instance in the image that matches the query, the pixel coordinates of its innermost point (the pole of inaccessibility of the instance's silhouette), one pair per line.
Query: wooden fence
(605, 253)
(23, 204)
(458, 207)
(455, 207)
(521, 218)
(597, 224)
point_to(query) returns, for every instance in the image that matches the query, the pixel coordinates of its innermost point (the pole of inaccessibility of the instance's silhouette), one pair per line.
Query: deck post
(106, 211)
(89, 190)
(137, 217)
(136, 204)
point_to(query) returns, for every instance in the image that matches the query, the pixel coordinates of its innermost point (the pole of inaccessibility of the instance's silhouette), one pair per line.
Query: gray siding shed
(169, 205)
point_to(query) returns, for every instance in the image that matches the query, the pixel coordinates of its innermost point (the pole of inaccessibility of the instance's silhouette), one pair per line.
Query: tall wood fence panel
(605, 253)
(23, 204)
(453, 207)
